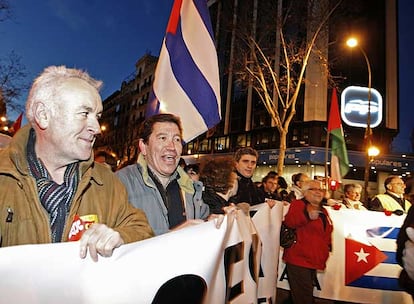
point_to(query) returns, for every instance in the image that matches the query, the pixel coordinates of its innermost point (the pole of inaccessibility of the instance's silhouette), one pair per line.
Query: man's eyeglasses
(317, 189)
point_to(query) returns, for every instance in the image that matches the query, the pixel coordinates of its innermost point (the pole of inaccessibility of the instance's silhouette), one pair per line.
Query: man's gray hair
(46, 86)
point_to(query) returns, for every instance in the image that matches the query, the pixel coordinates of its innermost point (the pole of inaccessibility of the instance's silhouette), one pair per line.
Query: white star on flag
(362, 256)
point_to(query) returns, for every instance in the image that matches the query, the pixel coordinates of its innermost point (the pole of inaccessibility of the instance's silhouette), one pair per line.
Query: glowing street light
(373, 151)
(353, 42)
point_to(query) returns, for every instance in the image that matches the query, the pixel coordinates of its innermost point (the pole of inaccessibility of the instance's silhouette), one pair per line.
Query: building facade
(124, 111)
(247, 123)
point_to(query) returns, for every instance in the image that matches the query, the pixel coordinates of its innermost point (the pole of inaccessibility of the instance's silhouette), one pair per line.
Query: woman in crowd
(281, 189)
(220, 182)
(295, 191)
(352, 197)
(193, 171)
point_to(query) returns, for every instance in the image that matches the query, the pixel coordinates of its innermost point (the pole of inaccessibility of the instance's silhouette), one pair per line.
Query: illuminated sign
(354, 107)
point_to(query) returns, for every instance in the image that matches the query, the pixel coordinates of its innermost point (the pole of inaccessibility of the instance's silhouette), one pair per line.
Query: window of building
(222, 143)
(204, 146)
(241, 140)
(190, 147)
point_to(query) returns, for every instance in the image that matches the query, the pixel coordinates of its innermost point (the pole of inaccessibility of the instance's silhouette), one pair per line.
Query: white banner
(362, 267)
(234, 264)
(225, 260)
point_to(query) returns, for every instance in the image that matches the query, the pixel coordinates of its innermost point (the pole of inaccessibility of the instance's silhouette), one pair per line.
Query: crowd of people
(51, 180)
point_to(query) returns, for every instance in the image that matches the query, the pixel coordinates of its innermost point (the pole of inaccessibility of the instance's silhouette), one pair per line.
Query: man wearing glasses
(313, 241)
(393, 198)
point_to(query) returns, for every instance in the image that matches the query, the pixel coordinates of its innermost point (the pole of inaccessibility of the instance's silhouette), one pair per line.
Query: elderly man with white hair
(50, 187)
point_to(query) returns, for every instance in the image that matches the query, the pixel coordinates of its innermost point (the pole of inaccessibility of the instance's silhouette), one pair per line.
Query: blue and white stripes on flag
(186, 81)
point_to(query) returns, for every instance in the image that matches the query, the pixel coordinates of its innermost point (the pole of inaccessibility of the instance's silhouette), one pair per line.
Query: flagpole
(326, 153)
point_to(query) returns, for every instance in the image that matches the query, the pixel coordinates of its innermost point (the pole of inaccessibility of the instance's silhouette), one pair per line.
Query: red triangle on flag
(334, 121)
(360, 258)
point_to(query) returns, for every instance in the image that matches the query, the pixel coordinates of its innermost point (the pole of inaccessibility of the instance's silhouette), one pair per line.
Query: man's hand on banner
(99, 239)
(219, 218)
(408, 253)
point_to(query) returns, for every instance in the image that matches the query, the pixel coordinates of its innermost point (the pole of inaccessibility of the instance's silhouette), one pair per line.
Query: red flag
(334, 121)
(339, 154)
(18, 123)
(360, 258)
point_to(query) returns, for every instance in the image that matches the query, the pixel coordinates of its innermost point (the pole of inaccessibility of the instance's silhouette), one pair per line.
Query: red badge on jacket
(80, 224)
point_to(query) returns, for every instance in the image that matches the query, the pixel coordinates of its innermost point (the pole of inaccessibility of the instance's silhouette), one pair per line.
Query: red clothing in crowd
(313, 237)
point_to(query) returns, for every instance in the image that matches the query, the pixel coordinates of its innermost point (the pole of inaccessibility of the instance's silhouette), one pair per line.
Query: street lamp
(352, 42)
(3, 124)
(372, 152)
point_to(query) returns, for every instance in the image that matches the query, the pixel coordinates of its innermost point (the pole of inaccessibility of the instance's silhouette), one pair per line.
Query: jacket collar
(395, 195)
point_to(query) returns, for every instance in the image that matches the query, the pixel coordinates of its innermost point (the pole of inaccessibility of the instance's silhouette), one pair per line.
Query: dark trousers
(301, 282)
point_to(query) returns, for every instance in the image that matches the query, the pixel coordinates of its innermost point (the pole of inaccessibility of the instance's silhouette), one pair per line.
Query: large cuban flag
(186, 81)
(362, 266)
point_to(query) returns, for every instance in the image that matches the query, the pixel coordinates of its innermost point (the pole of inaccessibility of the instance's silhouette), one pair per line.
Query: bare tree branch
(5, 10)
(287, 84)
(12, 80)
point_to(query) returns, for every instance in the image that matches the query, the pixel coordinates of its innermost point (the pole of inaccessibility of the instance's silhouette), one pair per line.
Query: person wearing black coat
(219, 181)
(405, 253)
(248, 192)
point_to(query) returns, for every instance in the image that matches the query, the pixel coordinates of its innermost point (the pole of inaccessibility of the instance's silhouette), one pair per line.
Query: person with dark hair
(50, 182)
(281, 189)
(295, 191)
(246, 162)
(157, 184)
(268, 188)
(393, 199)
(272, 174)
(193, 170)
(220, 182)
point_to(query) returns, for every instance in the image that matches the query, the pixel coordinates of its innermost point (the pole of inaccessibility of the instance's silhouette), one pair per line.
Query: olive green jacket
(23, 220)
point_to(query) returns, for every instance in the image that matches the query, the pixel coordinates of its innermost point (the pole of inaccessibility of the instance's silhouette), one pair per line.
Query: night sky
(106, 38)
